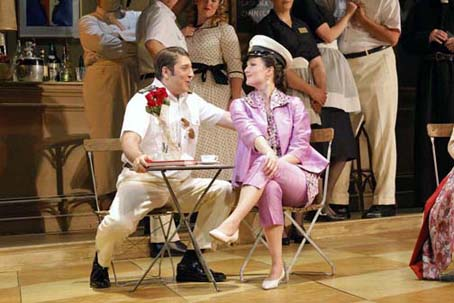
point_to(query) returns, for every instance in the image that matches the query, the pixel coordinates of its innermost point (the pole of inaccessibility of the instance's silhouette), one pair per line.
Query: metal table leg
(185, 220)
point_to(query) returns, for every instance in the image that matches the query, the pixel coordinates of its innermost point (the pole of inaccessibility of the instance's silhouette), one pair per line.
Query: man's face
(178, 81)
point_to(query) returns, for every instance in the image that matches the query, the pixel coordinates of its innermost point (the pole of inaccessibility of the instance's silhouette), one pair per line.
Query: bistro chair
(324, 135)
(443, 130)
(93, 146)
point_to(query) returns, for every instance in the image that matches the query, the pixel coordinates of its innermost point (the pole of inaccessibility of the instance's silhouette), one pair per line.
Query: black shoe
(286, 241)
(341, 211)
(177, 249)
(192, 271)
(323, 217)
(295, 235)
(99, 277)
(380, 211)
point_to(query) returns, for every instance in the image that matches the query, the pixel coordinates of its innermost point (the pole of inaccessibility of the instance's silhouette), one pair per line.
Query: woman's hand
(271, 164)
(439, 36)
(141, 163)
(450, 44)
(188, 31)
(318, 95)
(316, 107)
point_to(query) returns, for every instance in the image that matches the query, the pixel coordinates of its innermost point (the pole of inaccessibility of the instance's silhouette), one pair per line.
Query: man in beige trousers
(367, 44)
(143, 136)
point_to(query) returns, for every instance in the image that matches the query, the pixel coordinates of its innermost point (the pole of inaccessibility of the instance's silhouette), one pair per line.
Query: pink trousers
(286, 188)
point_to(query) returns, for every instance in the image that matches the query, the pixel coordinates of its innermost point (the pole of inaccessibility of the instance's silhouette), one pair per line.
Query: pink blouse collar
(278, 99)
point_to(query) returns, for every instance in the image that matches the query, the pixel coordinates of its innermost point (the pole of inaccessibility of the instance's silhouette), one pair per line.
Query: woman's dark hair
(279, 72)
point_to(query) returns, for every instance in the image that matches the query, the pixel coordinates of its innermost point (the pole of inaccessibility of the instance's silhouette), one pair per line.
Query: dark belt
(438, 56)
(218, 72)
(147, 76)
(366, 52)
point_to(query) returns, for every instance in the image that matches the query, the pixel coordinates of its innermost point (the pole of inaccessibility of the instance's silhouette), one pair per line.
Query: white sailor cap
(260, 46)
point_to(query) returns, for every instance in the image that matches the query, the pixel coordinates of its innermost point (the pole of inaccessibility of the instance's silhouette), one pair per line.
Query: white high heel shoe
(219, 235)
(270, 284)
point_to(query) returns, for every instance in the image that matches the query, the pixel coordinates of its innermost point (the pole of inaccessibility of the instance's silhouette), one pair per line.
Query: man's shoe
(99, 277)
(323, 217)
(380, 211)
(177, 249)
(192, 271)
(341, 211)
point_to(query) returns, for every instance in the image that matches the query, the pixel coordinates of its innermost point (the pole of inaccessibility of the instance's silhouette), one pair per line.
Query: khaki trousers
(376, 79)
(137, 194)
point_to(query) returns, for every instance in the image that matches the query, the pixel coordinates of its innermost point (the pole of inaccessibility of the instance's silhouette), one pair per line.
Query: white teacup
(209, 158)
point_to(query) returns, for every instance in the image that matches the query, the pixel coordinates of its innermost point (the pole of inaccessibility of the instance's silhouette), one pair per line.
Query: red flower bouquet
(156, 98)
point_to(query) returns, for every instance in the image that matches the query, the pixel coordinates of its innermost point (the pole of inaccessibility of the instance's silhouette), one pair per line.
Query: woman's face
(282, 5)
(257, 74)
(207, 8)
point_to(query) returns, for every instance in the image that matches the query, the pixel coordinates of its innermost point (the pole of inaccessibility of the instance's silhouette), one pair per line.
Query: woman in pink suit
(274, 164)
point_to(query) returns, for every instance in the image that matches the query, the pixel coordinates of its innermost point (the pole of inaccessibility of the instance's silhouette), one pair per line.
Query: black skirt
(344, 143)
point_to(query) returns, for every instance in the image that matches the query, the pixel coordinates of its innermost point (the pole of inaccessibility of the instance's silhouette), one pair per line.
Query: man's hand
(360, 14)
(450, 44)
(141, 163)
(271, 164)
(351, 8)
(439, 36)
(111, 18)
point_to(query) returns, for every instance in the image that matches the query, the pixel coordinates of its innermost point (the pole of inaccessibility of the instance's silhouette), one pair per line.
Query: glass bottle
(80, 71)
(42, 54)
(67, 73)
(2, 45)
(17, 56)
(53, 63)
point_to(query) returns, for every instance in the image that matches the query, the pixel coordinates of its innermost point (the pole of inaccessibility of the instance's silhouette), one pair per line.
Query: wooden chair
(325, 135)
(435, 130)
(112, 145)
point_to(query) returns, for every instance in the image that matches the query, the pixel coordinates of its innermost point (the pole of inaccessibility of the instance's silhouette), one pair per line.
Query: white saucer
(209, 162)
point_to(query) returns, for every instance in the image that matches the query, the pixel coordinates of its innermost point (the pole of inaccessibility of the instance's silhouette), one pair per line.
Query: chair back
(99, 145)
(438, 130)
(324, 135)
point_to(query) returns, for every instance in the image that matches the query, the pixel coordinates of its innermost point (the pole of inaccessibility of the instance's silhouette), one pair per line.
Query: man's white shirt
(189, 106)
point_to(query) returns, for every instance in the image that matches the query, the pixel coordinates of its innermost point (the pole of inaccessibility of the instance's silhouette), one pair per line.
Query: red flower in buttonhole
(156, 97)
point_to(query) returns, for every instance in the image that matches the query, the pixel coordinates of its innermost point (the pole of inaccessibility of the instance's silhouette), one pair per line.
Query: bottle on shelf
(68, 72)
(80, 71)
(53, 63)
(5, 66)
(42, 54)
(17, 56)
(2, 45)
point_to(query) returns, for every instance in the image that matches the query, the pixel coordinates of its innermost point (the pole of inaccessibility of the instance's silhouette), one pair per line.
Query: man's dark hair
(168, 57)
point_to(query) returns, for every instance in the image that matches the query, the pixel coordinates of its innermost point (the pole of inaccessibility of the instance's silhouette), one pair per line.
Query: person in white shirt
(107, 37)
(138, 191)
(157, 29)
(367, 44)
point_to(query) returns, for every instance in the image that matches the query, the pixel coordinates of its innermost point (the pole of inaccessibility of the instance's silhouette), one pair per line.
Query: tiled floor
(370, 268)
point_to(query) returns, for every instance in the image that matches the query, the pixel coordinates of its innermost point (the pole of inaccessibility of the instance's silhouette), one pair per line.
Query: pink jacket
(293, 126)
